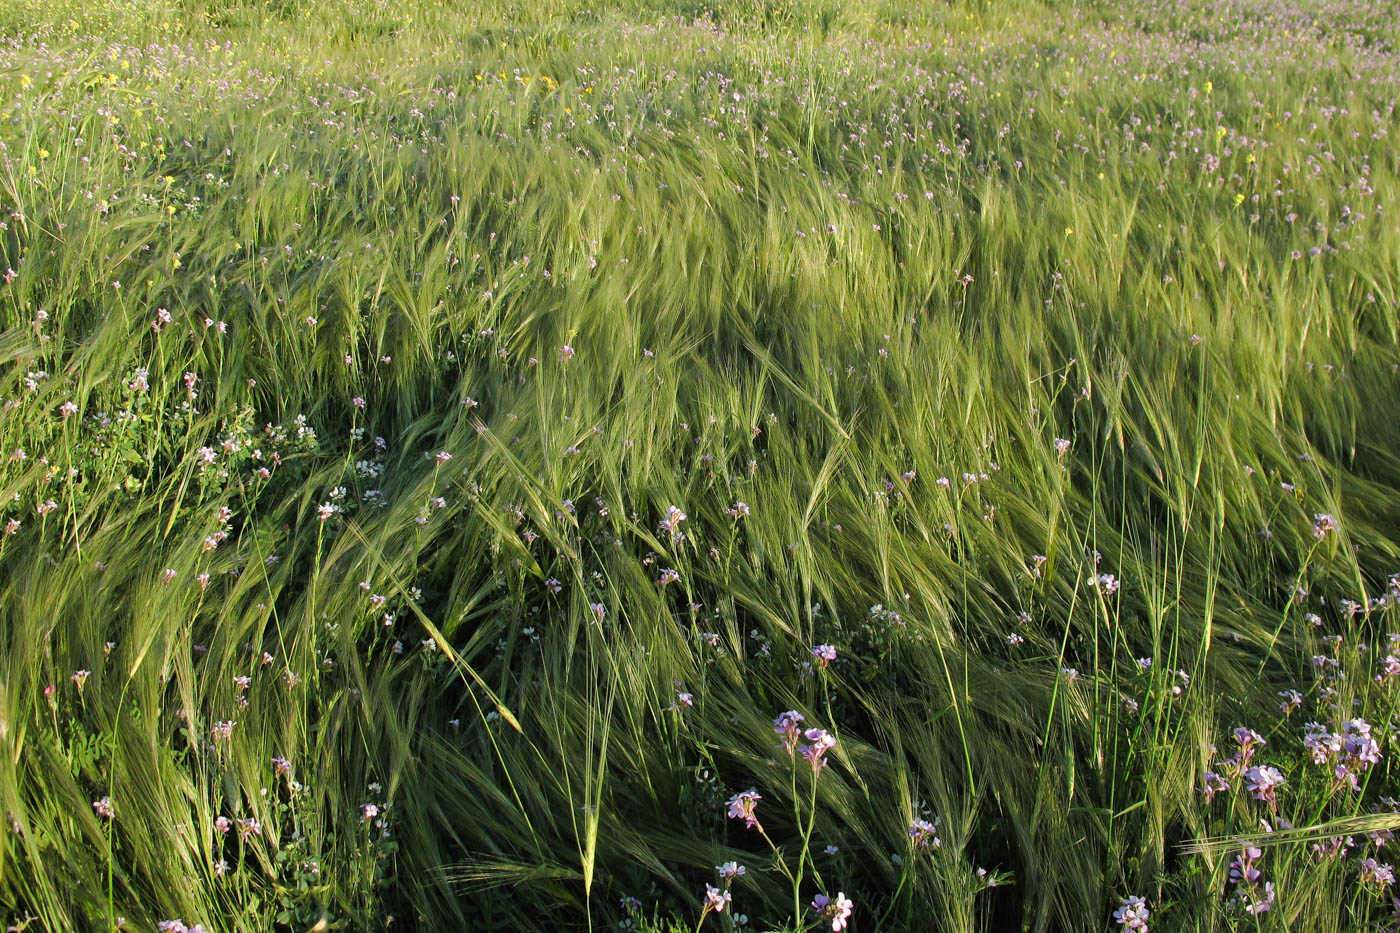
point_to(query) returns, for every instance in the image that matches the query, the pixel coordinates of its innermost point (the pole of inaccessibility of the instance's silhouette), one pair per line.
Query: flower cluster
(716, 899)
(1348, 753)
(741, 807)
(789, 726)
(1245, 876)
(837, 912)
(671, 524)
(1263, 783)
(1132, 914)
(924, 834)
(820, 742)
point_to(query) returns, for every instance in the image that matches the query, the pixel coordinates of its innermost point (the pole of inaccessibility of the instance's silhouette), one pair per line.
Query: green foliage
(1039, 360)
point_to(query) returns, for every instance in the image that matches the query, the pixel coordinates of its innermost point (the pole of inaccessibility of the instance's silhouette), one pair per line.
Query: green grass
(971, 306)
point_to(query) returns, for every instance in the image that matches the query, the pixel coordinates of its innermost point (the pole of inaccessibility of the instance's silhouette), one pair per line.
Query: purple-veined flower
(1106, 583)
(1263, 782)
(247, 828)
(672, 522)
(837, 911)
(821, 742)
(1247, 738)
(741, 807)
(924, 834)
(1334, 846)
(730, 870)
(789, 726)
(1132, 914)
(1358, 745)
(1242, 870)
(715, 899)
(1256, 905)
(1376, 873)
(1390, 667)
(1212, 784)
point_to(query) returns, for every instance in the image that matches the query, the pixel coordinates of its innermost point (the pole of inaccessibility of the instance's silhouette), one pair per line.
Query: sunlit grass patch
(515, 468)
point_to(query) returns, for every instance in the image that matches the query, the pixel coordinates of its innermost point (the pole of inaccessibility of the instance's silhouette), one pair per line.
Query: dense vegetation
(451, 455)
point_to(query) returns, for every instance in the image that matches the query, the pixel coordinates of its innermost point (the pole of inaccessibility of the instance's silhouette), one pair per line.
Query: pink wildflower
(838, 912)
(741, 807)
(1263, 782)
(789, 726)
(924, 834)
(1132, 914)
(715, 899)
(821, 742)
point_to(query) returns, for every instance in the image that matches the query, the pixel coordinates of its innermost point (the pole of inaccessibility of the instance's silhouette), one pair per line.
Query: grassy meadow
(767, 465)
